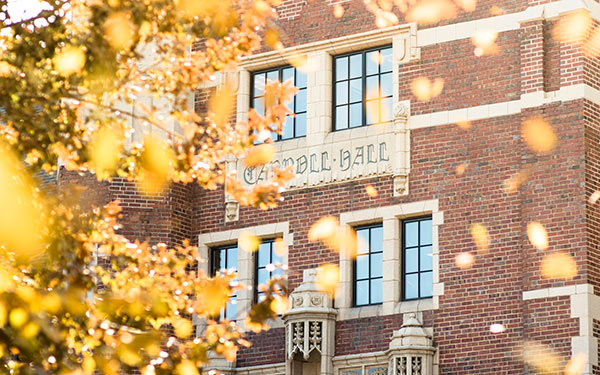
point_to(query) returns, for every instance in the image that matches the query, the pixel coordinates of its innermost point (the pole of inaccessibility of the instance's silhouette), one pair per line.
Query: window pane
(341, 92)
(362, 267)
(259, 106)
(362, 292)
(341, 117)
(426, 259)
(362, 246)
(341, 68)
(264, 254)
(376, 291)
(263, 276)
(288, 73)
(301, 101)
(287, 131)
(377, 265)
(386, 84)
(356, 90)
(411, 260)
(372, 62)
(426, 232)
(356, 66)
(373, 111)
(377, 239)
(259, 84)
(231, 309)
(232, 258)
(386, 60)
(386, 110)
(301, 125)
(300, 79)
(272, 76)
(426, 284)
(411, 234)
(355, 115)
(372, 87)
(411, 286)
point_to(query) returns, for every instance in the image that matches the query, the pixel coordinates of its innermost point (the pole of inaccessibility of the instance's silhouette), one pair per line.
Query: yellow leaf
(338, 11)
(259, 155)
(594, 197)
(221, 105)
(464, 260)
(464, 125)
(496, 11)
(467, 5)
(325, 227)
(89, 365)
(328, 278)
(128, 356)
(119, 30)
(18, 317)
(427, 12)
(573, 27)
(105, 151)
(371, 191)
(280, 304)
(30, 330)
(248, 242)
(497, 328)
(576, 364)
(539, 135)
(186, 367)
(559, 265)
(183, 328)
(421, 88)
(540, 357)
(6, 69)
(69, 60)
(480, 237)
(21, 218)
(3, 314)
(280, 247)
(537, 235)
(485, 42)
(460, 169)
(157, 164)
(514, 183)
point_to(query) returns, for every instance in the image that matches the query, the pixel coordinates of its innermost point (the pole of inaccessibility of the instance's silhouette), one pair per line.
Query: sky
(23, 9)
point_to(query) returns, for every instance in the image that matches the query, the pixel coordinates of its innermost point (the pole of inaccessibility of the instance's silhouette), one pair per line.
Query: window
(294, 126)
(224, 259)
(266, 262)
(417, 259)
(368, 267)
(363, 91)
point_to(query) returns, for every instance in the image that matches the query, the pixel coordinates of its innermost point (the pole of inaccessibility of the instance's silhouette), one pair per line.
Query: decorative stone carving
(401, 113)
(232, 211)
(411, 349)
(310, 325)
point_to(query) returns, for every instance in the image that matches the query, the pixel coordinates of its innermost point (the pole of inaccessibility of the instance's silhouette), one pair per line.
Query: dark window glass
(363, 88)
(294, 126)
(368, 267)
(268, 265)
(224, 259)
(417, 259)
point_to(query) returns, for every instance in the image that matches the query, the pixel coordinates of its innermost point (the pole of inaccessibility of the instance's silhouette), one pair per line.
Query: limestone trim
(325, 156)
(390, 217)
(246, 260)
(270, 369)
(585, 305)
(350, 364)
(514, 107)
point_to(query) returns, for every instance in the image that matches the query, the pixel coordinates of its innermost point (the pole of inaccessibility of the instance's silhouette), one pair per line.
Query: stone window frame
(319, 116)
(391, 217)
(246, 260)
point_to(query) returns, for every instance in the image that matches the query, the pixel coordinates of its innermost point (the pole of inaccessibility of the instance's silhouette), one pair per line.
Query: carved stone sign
(331, 163)
(375, 150)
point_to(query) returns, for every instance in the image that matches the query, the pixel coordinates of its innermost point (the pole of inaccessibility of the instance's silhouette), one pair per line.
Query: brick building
(404, 306)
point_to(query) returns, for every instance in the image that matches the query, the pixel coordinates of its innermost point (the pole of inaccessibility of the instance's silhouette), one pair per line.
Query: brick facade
(529, 62)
